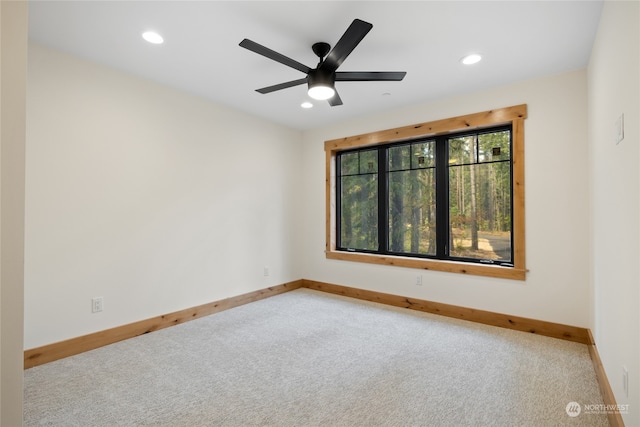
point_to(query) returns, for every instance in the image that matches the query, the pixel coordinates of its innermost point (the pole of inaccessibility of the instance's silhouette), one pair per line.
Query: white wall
(614, 89)
(557, 286)
(13, 63)
(151, 198)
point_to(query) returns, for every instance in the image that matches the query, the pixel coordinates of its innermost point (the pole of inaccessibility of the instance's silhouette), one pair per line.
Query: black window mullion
(511, 193)
(383, 198)
(338, 201)
(442, 198)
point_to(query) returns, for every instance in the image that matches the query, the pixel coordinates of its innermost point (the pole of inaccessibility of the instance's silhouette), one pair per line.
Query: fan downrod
(321, 49)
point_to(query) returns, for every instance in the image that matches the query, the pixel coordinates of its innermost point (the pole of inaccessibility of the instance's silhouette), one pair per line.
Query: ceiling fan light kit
(320, 85)
(321, 92)
(321, 80)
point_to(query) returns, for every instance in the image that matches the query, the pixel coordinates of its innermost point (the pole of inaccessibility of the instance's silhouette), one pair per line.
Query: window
(447, 197)
(432, 196)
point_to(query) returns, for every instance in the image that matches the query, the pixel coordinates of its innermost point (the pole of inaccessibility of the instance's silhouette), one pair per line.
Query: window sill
(433, 265)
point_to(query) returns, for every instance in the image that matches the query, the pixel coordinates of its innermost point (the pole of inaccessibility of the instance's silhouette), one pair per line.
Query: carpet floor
(307, 358)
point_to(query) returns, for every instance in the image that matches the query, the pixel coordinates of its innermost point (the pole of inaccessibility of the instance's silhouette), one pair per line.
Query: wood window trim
(514, 115)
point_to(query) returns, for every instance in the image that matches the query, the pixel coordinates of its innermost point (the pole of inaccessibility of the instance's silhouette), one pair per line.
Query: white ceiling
(519, 40)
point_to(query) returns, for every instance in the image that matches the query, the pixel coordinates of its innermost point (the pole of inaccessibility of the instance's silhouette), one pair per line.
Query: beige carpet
(307, 358)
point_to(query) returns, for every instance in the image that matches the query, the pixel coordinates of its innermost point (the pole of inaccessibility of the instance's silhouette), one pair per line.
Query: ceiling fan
(321, 80)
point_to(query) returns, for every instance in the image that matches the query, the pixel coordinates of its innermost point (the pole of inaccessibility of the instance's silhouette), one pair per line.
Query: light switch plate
(620, 129)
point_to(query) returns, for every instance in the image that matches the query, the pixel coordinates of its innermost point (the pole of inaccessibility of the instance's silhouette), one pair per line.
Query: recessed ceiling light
(306, 104)
(152, 37)
(471, 59)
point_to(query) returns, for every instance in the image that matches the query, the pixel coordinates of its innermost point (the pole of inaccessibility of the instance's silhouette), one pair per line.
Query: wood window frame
(514, 115)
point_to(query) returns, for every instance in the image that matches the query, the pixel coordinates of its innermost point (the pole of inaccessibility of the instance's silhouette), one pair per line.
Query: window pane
(462, 151)
(480, 211)
(359, 212)
(369, 161)
(412, 211)
(349, 163)
(400, 157)
(424, 155)
(494, 146)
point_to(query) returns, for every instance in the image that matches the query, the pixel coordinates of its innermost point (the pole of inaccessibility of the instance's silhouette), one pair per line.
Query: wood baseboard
(62, 349)
(539, 327)
(615, 419)
(49, 353)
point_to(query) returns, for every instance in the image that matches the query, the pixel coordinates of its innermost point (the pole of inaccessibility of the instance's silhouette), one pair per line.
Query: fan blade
(349, 40)
(335, 100)
(285, 85)
(369, 76)
(272, 54)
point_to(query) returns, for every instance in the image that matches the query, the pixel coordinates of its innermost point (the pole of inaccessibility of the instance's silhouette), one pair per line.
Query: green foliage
(480, 195)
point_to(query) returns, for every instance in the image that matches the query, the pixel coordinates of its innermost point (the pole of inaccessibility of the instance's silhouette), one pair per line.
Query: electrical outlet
(266, 271)
(419, 280)
(625, 380)
(97, 304)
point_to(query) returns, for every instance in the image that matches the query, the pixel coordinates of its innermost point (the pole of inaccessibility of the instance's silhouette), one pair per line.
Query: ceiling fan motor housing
(319, 77)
